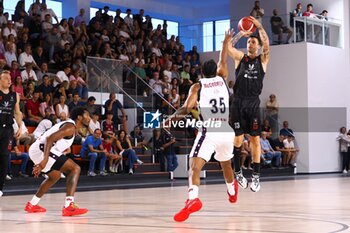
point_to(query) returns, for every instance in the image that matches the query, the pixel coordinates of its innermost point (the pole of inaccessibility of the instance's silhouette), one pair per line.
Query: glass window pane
(56, 7)
(93, 11)
(155, 22)
(207, 36)
(220, 27)
(28, 3)
(173, 29)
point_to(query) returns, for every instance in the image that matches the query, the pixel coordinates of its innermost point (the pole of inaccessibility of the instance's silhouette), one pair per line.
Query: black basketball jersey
(7, 106)
(249, 77)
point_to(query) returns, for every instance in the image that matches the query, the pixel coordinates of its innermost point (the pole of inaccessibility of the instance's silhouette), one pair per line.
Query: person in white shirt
(46, 11)
(94, 123)
(26, 57)
(62, 76)
(128, 19)
(291, 150)
(28, 74)
(9, 30)
(9, 54)
(44, 125)
(26, 138)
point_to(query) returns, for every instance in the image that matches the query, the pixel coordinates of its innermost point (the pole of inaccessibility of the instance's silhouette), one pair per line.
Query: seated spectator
(18, 87)
(44, 125)
(169, 151)
(75, 103)
(113, 106)
(14, 71)
(174, 99)
(46, 104)
(193, 75)
(62, 76)
(278, 27)
(22, 42)
(113, 158)
(45, 88)
(25, 138)
(124, 149)
(28, 75)
(285, 131)
(185, 75)
(61, 90)
(29, 91)
(16, 154)
(90, 105)
(94, 123)
(246, 154)
(61, 106)
(278, 145)
(137, 137)
(108, 127)
(344, 141)
(10, 55)
(26, 57)
(92, 149)
(268, 153)
(266, 127)
(44, 70)
(39, 56)
(9, 30)
(81, 84)
(33, 106)
(291, 152)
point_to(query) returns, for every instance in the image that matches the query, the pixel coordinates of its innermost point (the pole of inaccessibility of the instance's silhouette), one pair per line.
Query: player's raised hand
(255, 22)
(228, 35)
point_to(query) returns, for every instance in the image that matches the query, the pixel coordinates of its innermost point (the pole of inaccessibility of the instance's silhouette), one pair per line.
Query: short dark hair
(77, 111)
(309, 5)
(209, 68)
(91, 98)
(256, 37)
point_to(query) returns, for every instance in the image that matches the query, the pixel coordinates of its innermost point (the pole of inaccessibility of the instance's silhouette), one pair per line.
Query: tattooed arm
(265, 43)
(234, 53)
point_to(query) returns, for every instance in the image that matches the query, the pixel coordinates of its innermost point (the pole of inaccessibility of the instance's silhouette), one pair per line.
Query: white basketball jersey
(62, 144)
(214, 100)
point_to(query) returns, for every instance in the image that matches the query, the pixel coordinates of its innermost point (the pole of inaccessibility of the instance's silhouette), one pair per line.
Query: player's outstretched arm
(66, 131)
(265, 42)
(222, 66)
(18, 117)
(190, 102)
(234, 53)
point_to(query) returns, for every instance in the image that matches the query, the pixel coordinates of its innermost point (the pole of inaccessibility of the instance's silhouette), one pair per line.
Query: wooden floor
(308, 205)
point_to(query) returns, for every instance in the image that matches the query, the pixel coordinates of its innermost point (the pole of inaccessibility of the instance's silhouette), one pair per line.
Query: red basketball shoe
(191, 206)
(34, 208)
(233, 198)
(73, 210)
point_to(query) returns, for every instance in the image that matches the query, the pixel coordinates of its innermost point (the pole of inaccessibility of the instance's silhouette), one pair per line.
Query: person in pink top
(18, 87)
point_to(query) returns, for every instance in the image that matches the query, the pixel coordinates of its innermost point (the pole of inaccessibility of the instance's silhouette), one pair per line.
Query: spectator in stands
(16, 154)
(155, 49)
(285, 131)
(35, 28)
(46, 87)
(44, 70)
(25, 138)
(246, 154)
(14, 71)
(272, 107)
(9, 30)
(45, 11)
(79, 18)
(174, 99)
(45, 124)
(92, 149)
(268, 153)
(46, 26)
(61, 90)
(28, 75)
(128, 19)
(46, 104)
(278, 27)
(193, 75)
(169, 151)
(114, 159)
(32, 107)
(137, 137)
(62, 76)
(10, 55)
(90, 105)
(266, 127)
(75, 103)
(278, 145)
(108, 126)
(26, 57)
(39, 57)
(62, 107)
(309, 12)
(18, 87)
(291, 152)
(124, 149)
(257, 12)
(194, 52)
(65, 55)
(185, 74)
(157, 86)
(113, 105)
(22, 43)
(344, 142)
(94, 122)
(29, 91)
(81, 84)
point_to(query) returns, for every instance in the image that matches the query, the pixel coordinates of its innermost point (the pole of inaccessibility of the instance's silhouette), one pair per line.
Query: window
(155, 22)
(220, 27)
(10, 6)
(208, 36)
(93, 11)
(173, 28)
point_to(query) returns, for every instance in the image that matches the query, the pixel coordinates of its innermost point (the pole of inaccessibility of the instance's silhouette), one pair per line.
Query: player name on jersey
(213, 84)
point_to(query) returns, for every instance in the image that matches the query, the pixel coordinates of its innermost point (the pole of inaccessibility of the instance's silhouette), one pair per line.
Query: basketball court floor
(302, 205)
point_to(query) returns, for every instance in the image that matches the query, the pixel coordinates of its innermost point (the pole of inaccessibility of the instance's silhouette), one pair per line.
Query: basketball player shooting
(250, 70)
(47, 155)
(212, 96)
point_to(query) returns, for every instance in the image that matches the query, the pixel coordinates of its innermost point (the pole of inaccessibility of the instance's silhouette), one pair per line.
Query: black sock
(256, 168)
(237, 159)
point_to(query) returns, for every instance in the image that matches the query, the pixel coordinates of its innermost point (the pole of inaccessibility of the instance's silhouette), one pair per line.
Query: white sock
(231, 188)
(69, 199)
(35, 200)
(1, 193)
(193, 192)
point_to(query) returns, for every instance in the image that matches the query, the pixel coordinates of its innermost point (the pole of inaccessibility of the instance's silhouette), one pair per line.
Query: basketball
(245, 24)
